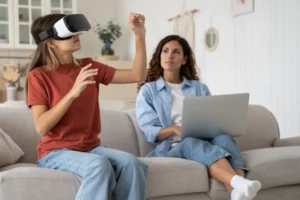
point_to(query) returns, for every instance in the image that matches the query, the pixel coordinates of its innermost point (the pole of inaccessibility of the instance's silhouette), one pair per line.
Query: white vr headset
(65, 28)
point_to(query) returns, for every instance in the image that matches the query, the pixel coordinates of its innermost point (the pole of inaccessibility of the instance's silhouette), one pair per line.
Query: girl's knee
(99, 164)
(99, 170)
(132, 160)
(132, 163)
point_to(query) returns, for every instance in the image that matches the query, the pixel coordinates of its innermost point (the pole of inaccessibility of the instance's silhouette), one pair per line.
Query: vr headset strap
(44, 35)
(48, 34)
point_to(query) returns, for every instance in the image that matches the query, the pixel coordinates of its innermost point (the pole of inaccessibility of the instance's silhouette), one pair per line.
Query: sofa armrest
(293, 141)
(273, 167)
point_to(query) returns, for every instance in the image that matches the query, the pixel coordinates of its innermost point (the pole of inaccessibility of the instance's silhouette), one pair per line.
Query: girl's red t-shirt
(78, 129)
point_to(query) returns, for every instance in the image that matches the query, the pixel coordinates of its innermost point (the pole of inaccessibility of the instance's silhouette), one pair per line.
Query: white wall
(258, 52)
(267, 49)
(96, 11)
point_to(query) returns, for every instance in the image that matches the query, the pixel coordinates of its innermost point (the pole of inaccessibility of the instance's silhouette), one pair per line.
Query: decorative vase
(11, 92)
(107, 50)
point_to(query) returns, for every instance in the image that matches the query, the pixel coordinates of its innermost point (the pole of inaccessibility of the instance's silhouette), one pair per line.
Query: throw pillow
(10, 152)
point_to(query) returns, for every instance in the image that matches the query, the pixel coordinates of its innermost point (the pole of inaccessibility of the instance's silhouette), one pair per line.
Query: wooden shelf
(107, 58)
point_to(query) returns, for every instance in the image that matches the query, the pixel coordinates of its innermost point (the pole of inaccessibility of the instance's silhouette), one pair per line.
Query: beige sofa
(274, 162)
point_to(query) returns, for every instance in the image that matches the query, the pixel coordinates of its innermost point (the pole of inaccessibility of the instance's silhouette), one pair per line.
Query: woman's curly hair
(188, 70)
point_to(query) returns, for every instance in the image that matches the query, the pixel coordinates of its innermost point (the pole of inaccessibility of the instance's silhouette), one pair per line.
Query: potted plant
(108, 34)
(11, 75)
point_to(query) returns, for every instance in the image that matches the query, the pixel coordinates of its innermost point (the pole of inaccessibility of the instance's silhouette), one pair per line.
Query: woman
(171, 77)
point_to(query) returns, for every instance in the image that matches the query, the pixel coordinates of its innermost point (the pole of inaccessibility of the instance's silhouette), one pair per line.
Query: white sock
(237, 195)
(245, 186)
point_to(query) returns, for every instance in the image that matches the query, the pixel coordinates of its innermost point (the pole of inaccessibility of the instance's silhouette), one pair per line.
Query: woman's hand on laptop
(169, 131)
(177, 130)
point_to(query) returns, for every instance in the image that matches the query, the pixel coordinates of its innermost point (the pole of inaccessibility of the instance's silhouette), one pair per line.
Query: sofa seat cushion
(273, 167)
(27, 182)
(167, 176)
(171, 176)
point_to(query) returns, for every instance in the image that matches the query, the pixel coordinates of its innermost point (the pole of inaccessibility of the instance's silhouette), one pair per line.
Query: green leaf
(108, 33)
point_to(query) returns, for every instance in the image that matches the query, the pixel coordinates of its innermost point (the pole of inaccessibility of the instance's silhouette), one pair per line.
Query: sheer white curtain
(184, 26)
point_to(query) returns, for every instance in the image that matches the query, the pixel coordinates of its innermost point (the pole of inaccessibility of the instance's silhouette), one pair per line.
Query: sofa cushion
(171, 176)
(261, 131)
(118, 132)
(27, 182)
(145, 147)
(273, 167)
(10, 151)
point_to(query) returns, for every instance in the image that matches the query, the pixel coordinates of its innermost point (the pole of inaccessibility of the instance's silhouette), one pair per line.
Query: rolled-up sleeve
(37, 93)
(146, 115)
(206, 90)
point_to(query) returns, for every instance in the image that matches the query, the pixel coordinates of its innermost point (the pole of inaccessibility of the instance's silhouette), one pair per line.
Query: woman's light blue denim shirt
(153, 109)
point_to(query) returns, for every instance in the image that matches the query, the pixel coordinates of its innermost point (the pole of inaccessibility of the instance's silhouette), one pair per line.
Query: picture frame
(240, 7)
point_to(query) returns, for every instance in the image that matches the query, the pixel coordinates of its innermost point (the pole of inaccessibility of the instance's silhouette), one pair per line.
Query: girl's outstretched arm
(138, 71)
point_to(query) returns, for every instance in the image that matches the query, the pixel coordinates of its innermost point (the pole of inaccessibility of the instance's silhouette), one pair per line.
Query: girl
(171, 77)
(63, 96)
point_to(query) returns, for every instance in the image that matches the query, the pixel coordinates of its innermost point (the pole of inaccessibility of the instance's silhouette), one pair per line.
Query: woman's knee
(202, 151)
(189, 141)
(192, 143)
(190, 146)
(223, 139)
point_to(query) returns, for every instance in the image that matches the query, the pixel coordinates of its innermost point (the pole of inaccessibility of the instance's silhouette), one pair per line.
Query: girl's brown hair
(188, 70)
(43, 55)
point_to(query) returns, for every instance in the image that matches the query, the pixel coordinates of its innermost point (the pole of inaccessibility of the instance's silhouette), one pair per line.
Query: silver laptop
(209, 116)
